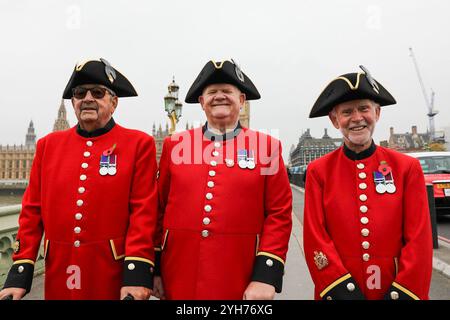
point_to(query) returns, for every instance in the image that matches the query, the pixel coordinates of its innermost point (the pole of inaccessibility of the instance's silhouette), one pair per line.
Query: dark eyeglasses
(96, 92)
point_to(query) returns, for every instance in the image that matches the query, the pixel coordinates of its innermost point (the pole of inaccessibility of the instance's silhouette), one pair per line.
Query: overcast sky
(290, 50)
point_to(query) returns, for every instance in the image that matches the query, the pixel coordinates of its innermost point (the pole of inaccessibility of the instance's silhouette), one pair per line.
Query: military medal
(251, 161)
(104, 162)
(378, 178)
(229, 162)
(108, 162)
(242, 159)
(112, 165)
(384, 179)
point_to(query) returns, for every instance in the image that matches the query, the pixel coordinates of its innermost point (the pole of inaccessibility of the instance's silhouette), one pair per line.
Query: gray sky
(290, 50)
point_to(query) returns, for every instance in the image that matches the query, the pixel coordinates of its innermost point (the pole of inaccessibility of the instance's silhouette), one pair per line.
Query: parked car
(436, 168)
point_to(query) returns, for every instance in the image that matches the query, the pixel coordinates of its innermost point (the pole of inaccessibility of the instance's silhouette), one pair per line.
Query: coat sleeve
(415, 263)
(139, 252)
(332, 280)
(31, 228)
(274, 239)
(163, 194)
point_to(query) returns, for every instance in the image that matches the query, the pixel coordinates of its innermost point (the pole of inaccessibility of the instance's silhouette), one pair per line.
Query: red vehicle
(436, 168)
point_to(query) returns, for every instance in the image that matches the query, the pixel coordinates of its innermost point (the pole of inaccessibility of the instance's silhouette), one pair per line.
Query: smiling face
(94, 113)
(356, 120)
(222, 103)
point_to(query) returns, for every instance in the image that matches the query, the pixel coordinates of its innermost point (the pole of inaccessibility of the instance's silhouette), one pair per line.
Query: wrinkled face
(94, 113)
(222, 103)
(356, 120)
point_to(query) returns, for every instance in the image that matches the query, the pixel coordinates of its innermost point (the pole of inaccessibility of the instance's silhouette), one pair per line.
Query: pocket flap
(118, 247)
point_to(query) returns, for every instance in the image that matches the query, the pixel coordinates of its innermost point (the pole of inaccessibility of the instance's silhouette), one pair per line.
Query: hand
(139, 293)
(17, 293)
(158, 288)
(259, 291)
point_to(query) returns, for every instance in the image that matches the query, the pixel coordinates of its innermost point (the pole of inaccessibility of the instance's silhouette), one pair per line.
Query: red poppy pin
(109, 151)
(384, 168)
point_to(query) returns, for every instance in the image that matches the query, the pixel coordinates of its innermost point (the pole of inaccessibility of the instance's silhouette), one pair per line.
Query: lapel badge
(242, 159)
(320, 259)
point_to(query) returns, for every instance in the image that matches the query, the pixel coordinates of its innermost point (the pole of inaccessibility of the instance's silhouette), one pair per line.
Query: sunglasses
(96, 92)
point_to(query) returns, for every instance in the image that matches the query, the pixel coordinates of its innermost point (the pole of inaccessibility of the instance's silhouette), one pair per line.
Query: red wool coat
(222, 226)
(358, 239)
(92, 222)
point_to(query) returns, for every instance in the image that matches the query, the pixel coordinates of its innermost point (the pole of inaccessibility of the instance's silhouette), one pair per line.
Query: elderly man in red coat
(225, 199)
(367, 232)
(93, 193)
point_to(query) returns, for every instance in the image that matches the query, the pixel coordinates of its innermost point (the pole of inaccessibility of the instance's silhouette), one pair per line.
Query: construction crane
(429, 102)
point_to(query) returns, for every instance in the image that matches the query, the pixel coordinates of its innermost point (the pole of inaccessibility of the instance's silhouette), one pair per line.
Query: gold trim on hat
(220, 65)
(353, 87)
(81, 64)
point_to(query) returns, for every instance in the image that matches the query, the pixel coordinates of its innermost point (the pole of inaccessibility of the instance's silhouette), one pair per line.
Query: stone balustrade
(9, 224)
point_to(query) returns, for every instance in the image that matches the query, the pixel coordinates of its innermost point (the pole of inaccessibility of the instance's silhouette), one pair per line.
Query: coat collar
(362, 155)
(97, 132)
(216, 137)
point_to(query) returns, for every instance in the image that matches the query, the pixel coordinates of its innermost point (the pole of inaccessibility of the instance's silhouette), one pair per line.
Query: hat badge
(109, 70)
(238, 71)
(371, 80)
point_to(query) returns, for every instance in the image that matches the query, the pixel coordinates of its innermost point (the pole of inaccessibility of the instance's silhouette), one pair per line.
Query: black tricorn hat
(350, 86)
(99, 72)
(222, 72)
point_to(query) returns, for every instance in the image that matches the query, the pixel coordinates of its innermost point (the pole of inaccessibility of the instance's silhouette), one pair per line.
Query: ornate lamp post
(172, 105)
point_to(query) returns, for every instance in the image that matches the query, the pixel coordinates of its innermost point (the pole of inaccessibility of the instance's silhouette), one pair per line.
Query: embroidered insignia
(320, 259)
(16, 246)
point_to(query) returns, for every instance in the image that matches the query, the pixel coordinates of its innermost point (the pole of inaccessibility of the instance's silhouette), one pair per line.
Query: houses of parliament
(16, 160)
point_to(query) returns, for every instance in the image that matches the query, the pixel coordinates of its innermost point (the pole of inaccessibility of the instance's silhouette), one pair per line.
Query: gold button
(83, 177)
(79, 203)
(362, 197)
(366, 257)
(213, 163)
(81, 190)
(77, 229)
(212, 173)
(87, 154)
(131, 266)
(208, 208)
(211, 184)
(360, 165)
(205, 233)
(206, 221)
(215, 153)
(76, 243)
(84, 165)
(362, 175)
(89, 143)
(362, 186)
(364, 220)
(363, 209)
(78, 216)
(209, 196)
